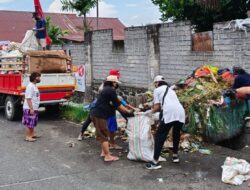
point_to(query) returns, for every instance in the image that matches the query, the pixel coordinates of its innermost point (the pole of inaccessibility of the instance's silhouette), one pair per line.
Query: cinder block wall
(164, 49)
(77, 51)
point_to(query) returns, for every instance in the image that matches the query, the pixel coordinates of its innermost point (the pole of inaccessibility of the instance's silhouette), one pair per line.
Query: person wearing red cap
(112, 72)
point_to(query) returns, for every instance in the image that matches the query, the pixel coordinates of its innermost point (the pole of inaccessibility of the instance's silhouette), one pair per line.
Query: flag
(39, 11)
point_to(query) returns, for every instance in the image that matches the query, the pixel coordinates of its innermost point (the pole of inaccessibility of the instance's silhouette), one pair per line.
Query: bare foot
(30, 139)
(103, 155)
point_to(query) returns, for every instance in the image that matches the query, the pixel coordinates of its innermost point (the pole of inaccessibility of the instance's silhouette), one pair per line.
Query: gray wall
(164, 49)
(77, 51)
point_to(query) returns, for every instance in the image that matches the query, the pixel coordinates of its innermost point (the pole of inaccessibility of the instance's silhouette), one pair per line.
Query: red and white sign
(80, 79)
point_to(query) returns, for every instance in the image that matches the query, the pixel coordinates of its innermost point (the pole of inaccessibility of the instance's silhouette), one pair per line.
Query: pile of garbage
(10, 49)
(212, 110)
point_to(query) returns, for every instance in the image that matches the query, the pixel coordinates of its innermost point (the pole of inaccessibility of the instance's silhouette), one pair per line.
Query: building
(14, 25)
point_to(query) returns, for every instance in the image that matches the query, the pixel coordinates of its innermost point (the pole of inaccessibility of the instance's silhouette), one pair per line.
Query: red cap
(114, 72)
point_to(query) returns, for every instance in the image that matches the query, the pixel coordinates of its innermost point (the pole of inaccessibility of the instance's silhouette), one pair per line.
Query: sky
(130, 12)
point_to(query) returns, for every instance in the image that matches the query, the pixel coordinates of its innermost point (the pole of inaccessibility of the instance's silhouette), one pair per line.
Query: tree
(55, 32)
(81, 6)
(203, 13)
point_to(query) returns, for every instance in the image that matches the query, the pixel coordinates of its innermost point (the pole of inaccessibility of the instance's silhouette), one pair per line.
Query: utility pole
(97, 14)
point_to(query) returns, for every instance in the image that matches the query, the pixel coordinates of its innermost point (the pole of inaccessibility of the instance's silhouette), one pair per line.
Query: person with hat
(112, 72)
(172, 115)
(105, 108)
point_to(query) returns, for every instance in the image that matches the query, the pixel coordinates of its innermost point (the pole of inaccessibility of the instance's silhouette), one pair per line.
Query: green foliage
(55, 32)
(80, 6)
(203, 13)
(74, 113)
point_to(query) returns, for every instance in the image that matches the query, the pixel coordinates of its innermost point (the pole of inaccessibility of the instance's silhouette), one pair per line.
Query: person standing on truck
(105, 108)
(30, 107)
(40, 30)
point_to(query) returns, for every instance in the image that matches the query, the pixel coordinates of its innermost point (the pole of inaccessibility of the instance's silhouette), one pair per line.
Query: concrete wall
(77, 52)
(165, 49)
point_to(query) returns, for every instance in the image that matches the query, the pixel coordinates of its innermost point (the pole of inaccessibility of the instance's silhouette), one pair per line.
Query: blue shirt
(242, 80)
(41, 24)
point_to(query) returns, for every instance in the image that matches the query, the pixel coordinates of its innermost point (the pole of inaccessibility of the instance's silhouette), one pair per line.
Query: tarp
(217, 123)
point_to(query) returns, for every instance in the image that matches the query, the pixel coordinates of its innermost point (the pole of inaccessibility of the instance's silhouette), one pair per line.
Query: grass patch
(73, 112)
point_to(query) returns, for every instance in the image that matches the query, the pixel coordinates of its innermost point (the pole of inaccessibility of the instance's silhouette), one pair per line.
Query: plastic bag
(141, 141)
(29, 42)
(235, 171)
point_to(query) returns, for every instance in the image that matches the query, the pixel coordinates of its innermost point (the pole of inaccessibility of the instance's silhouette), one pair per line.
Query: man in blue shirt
(242, 80)
(40, 30)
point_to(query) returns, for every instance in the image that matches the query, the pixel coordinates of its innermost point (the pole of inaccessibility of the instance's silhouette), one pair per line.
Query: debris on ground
(71, 144)
(235, 171)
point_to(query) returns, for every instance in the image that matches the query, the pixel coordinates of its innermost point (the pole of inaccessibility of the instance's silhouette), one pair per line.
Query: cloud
(131, 5)
(149, 14)
(56, 7)
(105, 9)
(6, 1)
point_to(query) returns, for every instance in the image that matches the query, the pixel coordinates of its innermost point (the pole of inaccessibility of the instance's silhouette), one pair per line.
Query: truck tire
(12, 108)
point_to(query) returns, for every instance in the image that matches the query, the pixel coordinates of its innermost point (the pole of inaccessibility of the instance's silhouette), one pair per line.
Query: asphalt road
(50, 163)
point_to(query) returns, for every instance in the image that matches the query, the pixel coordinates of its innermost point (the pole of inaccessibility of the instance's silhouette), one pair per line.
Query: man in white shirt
(30, 107)
(172, 115)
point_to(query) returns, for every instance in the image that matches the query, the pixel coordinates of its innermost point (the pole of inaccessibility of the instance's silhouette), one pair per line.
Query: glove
(148, 113)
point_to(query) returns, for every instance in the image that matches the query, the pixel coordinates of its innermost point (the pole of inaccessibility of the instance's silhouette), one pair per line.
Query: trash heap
(10, 58)
(210, 114)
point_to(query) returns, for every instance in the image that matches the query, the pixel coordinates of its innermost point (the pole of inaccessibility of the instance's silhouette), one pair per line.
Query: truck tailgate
(54, 87)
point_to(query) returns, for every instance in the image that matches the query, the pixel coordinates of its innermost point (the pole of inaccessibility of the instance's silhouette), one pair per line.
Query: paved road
(50, 164)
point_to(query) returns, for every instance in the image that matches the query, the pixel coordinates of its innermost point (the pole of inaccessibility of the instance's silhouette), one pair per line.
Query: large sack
(141, 141)
(29, 42)
(47, 61)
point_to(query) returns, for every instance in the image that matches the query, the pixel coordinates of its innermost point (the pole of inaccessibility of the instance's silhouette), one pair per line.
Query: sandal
(113, 158)
(30, 140)
(36, 137)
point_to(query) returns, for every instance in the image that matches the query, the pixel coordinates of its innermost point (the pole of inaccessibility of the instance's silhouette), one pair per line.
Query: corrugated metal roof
(14, 24)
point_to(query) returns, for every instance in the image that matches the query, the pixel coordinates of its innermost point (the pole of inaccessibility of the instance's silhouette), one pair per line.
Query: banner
(80, 79)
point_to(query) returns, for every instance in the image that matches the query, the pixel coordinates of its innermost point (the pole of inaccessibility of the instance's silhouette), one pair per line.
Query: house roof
(14, 24)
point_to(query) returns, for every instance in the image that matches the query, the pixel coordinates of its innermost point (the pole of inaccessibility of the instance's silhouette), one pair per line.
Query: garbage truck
(57, 80)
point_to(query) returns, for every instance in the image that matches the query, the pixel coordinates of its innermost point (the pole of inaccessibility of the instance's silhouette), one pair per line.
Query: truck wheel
(12, 108)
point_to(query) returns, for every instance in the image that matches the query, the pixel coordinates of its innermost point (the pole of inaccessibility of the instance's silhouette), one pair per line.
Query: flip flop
(36, 136)
(112, 160)
(30, 140)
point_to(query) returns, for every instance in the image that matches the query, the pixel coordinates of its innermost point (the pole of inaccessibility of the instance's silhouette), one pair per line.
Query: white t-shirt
(32, 93)
(172, 108)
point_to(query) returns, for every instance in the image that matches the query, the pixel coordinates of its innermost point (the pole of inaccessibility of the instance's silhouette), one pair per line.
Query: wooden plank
(49, 54)
(11, 63)
(11, 69)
